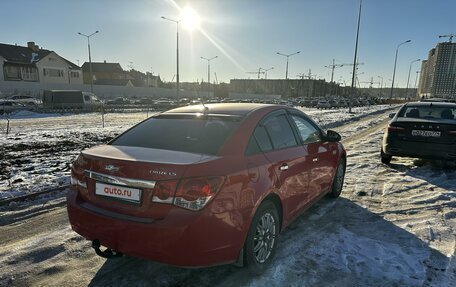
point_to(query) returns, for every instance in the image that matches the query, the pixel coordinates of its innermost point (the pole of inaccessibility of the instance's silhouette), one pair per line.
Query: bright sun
(189, 18)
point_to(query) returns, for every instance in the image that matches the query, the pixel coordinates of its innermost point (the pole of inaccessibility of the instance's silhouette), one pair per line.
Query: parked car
(164, 104)
(25, 100)
(119, 101)
(421, 130)
(7, 106)
(71, 99)
(322, 104)
(216, 185)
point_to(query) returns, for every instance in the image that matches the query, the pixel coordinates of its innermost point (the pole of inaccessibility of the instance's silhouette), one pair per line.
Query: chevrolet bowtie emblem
(111, 168)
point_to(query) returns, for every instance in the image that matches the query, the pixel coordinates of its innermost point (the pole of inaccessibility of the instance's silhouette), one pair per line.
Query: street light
(288, 56)
(381, 86)
(408, 77)
(266, 72)
(209, 72)
(355, 59)
(177, 53)
(90, 58)
(394, 70)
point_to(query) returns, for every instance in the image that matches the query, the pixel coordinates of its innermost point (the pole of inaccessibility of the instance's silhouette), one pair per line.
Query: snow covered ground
(394, 225)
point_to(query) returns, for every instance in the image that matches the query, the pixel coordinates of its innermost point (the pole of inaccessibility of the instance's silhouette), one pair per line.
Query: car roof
(228, 109)
(431, 104)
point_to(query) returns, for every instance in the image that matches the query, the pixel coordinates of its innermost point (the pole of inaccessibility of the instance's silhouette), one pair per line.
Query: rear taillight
(452, 133)
(76, 182)
(395, 129)
(190, 193)
(164, 191)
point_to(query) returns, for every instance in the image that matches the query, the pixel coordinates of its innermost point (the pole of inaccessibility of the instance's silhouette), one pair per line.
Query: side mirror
(391, 115)
(333, 136)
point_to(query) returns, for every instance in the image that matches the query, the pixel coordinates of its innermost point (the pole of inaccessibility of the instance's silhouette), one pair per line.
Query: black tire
(261, 242)
(338, 181)
(386, 159)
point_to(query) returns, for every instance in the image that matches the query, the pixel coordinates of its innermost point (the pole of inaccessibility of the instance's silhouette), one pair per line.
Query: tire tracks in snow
(419, 196)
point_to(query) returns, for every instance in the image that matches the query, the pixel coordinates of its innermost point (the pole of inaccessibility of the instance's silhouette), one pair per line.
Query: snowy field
(394, 225)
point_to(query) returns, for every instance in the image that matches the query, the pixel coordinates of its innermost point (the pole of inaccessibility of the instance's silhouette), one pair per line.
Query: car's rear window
(429, 112)
(197, 135)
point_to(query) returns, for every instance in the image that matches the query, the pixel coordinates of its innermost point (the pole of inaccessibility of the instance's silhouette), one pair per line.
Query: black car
(421, 130)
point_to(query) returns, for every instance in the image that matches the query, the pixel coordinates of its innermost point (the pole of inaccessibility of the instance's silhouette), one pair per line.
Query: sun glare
(190, 19)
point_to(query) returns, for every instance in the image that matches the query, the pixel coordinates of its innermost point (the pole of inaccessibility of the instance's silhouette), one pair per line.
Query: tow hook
(108, 253)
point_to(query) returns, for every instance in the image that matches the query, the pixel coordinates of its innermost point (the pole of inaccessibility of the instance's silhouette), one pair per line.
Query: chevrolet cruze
(204, 185)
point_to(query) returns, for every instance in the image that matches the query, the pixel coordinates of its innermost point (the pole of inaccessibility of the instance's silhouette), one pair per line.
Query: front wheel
(338, 181)
(386, 159)
(261, 242)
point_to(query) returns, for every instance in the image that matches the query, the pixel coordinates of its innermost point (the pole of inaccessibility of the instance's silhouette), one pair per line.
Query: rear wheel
(386, 159)
(261, 242)
(338, 181)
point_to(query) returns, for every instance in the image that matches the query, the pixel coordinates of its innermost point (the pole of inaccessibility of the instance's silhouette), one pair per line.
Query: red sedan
(204, 185)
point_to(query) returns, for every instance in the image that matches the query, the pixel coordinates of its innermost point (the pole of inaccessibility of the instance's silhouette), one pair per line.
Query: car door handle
(283, 167)
(315, 159)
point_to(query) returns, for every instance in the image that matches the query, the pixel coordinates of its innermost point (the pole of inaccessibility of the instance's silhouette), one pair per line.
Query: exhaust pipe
(108, 253)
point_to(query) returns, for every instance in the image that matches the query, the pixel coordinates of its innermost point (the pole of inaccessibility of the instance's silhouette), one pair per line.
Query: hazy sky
(244, 34)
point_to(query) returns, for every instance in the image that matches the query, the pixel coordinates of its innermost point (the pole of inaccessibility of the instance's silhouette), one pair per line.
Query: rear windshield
(428, 112)
(196, 135)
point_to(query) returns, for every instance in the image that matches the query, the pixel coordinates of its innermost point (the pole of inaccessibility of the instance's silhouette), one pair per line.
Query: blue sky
(244, 34)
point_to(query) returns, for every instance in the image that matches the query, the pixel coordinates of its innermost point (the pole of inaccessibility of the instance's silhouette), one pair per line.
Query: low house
(106, 74)
(33, 64)
(112, 74)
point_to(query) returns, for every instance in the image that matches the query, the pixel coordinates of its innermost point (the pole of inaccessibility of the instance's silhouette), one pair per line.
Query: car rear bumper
(197, 240)
(397, 147)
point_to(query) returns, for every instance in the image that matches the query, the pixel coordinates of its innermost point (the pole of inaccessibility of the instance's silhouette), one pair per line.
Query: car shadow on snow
(436, 172)
(335, 243)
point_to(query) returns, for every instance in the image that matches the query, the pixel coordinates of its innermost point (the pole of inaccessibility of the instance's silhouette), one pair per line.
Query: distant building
(112, 74)
(306, 88)
(438, 72)
(33, 64)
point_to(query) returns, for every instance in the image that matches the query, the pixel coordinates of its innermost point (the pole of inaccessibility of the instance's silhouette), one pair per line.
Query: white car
(25, 100)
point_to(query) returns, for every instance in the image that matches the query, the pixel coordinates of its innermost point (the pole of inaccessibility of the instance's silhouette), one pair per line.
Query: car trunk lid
(122, 179)
(423, 130)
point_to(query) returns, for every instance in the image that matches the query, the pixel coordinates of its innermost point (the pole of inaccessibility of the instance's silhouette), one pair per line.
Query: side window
(86, 98)
(308, 132)
(280, 132)
(252, 147)
(262, 138)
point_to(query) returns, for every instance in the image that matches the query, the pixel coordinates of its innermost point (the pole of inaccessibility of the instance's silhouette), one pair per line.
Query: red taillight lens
(190, 193)
(395, 129)
(452, 133)
(194, 193)
(74, 180)
(164, 191)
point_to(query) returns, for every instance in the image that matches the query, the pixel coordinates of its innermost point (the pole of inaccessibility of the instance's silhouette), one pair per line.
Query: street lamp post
(90, 58)
(355, 58)
(209, 72)
(177, 54)
(408, 77)
(381, 87)
(288, 56)
(394, 70)
(266, 72)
